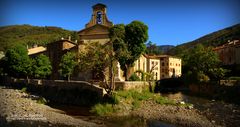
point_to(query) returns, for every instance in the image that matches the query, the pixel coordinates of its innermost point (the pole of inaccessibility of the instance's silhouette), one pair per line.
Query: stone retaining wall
(128, 85)
(72, 92)
(229, 82)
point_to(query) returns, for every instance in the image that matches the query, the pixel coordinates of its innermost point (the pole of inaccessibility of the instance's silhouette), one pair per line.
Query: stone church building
(97, 30)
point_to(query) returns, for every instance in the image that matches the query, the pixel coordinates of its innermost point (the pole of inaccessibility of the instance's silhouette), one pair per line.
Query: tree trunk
(68, 78)
(112, 83)
(126, 73)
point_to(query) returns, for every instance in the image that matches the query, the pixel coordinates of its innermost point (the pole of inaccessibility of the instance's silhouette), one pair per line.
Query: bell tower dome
(99, 16)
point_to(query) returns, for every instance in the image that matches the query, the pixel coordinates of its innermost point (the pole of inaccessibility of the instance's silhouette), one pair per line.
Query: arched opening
(99, 17)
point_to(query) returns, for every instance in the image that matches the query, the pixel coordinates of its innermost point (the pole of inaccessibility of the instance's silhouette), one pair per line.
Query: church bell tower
(99, 16)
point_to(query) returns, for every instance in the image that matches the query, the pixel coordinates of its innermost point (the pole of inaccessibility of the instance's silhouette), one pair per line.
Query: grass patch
(103, 109)
(163, 100)
(135, 95)
(136, 104)
(130, 98)
(42, 100)
(24, 90)
(114, 99)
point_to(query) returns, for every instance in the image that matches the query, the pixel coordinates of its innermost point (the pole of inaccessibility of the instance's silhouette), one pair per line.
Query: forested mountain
(213, 39)
(30, 35)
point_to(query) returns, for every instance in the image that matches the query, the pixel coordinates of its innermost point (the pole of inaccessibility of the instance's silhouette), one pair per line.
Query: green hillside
(213, 39)
(27, 34)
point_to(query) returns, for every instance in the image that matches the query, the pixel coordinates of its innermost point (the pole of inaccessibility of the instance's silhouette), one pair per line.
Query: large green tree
(129, 43)
(99, 58)
(41, 66)
(17, 62)
(202, 62)
(67, 65)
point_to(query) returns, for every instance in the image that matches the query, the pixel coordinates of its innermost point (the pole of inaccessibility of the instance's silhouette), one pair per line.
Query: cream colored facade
(161, 66)
(140, 64)
(154, 68)
(148, 64)
(170, 66)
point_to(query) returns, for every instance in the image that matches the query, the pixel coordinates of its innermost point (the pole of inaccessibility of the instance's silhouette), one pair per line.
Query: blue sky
(170, 21)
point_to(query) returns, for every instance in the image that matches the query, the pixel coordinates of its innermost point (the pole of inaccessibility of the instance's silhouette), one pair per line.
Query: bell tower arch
(99, 16)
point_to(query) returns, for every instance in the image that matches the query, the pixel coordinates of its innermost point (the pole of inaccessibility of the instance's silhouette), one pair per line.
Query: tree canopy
(17, 61)
(201, 62)
(128, 43)
(67, 65)
(41, 66)
(31, 35)
(98, 58)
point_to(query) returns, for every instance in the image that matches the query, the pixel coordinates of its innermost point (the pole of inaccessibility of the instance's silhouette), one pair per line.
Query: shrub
(24, 89)
(103, 109)
(134, 77)
(112, 99)
(234, 78)
(42, 100)
(136, 104)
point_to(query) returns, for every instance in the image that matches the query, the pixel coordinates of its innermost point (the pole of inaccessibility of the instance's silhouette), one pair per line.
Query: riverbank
(176, 115)
(20, 109)
(153, 107)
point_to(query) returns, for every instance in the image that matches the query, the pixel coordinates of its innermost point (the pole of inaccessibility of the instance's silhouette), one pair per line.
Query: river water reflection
(216, 111)
(123, 121)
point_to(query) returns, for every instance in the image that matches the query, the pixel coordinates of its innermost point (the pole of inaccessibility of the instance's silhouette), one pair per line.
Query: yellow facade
(161, 66)
(170, 66)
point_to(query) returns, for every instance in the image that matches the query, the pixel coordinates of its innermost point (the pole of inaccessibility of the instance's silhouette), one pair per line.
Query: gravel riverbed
(176, 115)
(18, 109)
(22, 110)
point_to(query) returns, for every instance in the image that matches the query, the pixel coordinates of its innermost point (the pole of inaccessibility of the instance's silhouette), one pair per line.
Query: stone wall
(219, 92)
(229, 82)
(128, 85)
(59, 91)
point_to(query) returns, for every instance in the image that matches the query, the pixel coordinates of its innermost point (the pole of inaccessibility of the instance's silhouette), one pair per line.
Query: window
(162, 70)
(152, 62)
(162, 63)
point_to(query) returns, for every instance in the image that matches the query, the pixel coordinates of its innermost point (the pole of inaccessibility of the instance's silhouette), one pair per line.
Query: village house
(160, 66)
(97, 30)
(229, 53)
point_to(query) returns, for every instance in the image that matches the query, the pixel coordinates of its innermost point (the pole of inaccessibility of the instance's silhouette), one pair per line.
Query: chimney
(69, 38)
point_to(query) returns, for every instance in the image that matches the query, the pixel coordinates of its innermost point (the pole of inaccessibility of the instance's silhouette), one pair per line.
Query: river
(225, 114)
(218, 112)
(123, 121)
